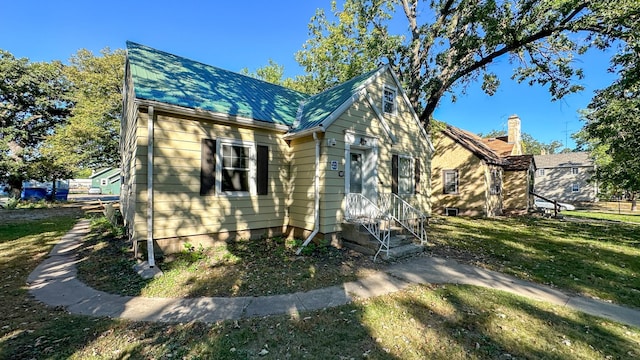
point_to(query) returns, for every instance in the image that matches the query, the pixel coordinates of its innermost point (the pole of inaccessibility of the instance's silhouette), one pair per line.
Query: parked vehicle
(95, 191)
(542, 204)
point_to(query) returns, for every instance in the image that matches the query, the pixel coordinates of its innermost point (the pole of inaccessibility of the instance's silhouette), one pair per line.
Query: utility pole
(566, 134)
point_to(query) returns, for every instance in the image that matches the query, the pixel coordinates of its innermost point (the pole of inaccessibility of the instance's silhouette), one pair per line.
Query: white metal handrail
(404, 214)
(363, 211)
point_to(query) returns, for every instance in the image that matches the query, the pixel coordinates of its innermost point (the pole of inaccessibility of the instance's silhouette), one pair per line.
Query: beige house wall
(181, 214)
(516, 185)
(472, 198)
(302, 183)
(133, 150)
(410, 142)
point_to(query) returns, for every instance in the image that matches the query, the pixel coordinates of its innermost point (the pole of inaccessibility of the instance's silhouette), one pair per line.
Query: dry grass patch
(239, 268)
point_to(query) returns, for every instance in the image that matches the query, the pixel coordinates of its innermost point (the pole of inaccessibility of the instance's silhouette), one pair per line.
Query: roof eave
(489, 160)
(211, 115)
(303, 133)
(101, 172)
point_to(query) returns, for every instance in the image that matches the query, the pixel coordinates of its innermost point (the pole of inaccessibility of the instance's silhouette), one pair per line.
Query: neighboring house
(566, 177)
(108, 180)
(83, 184)
(481, 177)
(210, 155)
(519, 179)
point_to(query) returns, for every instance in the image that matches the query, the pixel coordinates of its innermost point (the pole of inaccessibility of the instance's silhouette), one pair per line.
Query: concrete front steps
(356, 237)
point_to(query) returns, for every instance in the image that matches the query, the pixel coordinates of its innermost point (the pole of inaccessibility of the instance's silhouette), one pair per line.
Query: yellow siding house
(210, 155)
(481, 177)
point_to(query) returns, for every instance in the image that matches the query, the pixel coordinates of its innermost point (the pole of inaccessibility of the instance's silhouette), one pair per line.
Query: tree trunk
(53, 191)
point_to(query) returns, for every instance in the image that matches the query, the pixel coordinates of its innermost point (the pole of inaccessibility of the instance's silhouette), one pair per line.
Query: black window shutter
(262, 173)
(417, 177)
(208, 166)
(394, 174)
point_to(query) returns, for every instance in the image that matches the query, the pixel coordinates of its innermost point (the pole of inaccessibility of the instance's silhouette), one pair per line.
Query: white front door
(355, 177)
(362, 174)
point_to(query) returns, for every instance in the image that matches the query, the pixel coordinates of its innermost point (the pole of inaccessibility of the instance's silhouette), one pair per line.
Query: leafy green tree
(612, 127)
(89, 140)
(352, 44)
(274, 73)
(449, 44)
(33, 101)
(530, 145)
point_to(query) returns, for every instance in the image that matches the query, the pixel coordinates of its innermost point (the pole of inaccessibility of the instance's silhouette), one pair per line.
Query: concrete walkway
(55, 283)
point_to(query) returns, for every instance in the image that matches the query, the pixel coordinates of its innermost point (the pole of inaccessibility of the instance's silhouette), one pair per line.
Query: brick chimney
(513, 129)
(514, 134)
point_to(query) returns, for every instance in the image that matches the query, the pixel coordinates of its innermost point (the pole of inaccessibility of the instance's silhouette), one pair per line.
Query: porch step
(356, 237)
(367, 249)
(402, 251)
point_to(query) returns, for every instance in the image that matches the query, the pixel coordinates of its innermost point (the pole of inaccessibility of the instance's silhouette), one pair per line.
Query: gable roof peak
(321, 109)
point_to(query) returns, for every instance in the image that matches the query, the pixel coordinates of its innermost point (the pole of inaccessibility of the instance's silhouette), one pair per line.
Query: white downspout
(316, 208)
(150, 123)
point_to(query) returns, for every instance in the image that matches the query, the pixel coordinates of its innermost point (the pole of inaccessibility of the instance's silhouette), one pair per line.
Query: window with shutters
(450, 182)
(236, 163)
(405, 173)
(233, 167)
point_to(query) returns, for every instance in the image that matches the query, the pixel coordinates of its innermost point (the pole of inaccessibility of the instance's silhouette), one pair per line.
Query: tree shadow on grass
(594, 259)
(489, 324)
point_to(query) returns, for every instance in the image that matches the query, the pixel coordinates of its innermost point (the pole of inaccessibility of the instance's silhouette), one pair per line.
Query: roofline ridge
(370, 73)
(497, 159)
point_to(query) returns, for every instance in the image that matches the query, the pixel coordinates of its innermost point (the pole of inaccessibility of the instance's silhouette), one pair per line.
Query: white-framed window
(235, 167)
(540, 172)
(103, 182)
(575, 187)
(496, 182)
(406, 175)
(450, 181)
(389, 105)
(574, 171)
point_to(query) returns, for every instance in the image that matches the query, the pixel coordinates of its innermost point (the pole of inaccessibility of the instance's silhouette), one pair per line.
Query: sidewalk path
(54, 282)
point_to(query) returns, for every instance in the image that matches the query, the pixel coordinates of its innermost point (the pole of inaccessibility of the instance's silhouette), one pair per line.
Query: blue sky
(246, 34)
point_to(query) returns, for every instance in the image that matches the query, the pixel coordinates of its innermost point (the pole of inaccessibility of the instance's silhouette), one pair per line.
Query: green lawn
(422, 322)
(630, 218)
(598, 259)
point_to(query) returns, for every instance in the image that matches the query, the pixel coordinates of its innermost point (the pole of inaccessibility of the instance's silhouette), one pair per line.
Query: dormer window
(389, 100)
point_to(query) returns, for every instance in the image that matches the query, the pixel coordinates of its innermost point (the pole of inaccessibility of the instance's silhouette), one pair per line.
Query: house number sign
(334, 165)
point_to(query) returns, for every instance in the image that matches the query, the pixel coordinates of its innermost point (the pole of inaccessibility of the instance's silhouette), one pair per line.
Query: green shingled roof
(171, 79)
(175, 80)
(318, 107)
